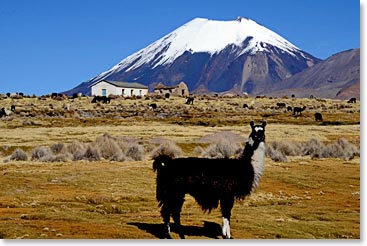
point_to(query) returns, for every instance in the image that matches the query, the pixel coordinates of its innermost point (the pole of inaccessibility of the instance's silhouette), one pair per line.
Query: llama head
(258, 132)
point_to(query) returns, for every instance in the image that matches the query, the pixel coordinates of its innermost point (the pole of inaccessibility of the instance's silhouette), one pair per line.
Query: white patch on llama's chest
(257, 161)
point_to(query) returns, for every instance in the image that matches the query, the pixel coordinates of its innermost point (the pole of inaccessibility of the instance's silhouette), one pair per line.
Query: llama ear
(264, 123)
(252, 123)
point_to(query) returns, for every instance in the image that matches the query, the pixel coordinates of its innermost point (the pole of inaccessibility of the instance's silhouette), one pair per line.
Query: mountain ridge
(338, 76)
(248, 58)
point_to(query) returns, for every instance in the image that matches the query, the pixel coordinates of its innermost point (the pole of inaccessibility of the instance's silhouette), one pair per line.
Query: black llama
(210, 181)
(189, 100)
(352, 100)
(104, 99)
(298, 110)
(318, 116)
(153, 106)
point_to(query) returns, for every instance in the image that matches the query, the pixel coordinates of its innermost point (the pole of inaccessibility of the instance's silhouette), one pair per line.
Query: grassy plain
(303, 198)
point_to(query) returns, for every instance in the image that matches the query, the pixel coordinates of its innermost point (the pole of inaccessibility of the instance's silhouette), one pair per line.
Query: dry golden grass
(304, 198)
(300, 199)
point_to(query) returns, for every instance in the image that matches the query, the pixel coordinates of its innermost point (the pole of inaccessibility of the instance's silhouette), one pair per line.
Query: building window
(104, 92)
(123, 92)
(132, 92)
(140, 92)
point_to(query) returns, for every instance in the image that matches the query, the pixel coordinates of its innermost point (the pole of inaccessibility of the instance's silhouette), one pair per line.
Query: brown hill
(336, 77)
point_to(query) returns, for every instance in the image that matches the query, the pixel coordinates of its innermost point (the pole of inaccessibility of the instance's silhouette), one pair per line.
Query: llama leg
(226, 205)
(166, 218)
(226, 229)
(176, 216)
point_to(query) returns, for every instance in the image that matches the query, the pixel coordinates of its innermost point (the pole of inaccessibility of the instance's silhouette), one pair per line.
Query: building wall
(97, 90)
(180, 90)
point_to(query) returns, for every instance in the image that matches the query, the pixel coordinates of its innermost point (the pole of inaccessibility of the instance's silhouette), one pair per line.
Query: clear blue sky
(53, 45)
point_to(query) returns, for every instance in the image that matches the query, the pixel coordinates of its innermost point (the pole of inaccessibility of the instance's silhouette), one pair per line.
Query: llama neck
(254, 154)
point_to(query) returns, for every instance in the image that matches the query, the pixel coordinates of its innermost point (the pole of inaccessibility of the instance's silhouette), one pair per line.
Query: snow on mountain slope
(204, 35)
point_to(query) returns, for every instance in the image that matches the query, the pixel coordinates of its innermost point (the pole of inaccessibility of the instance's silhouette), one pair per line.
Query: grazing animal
(153, 106)
(318, 116)
(189, 100)
(289, 108)
(261, 96)
(12, 108)
(352, 100)
(4, 112)
(104, 99)
(210, 181)
(298, 110)
(281, 105)
(245, 105)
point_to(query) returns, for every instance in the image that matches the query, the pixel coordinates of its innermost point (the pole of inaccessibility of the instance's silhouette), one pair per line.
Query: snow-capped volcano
(216, 55)
(210, 36)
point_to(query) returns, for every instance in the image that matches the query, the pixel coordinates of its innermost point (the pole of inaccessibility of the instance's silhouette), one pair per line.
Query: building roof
(160, 85)
(123, 84)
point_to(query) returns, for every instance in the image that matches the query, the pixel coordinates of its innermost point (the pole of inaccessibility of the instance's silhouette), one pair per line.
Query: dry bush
(19, 155)
(135, 152)
(222, 136)
(57, 148)
(76, 149)
(291, 148)
(275, 154)
(198, 151)
(108, 147)
(223, 149)
(340, 149)
(63, 157)
(42, 153)
(119, 156)
(314, 147)
(349, 147)
(278, 151)
(92, 154)
(168, 148)
(125, 142)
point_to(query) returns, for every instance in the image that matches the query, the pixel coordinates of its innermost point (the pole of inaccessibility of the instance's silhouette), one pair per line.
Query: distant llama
(318, 116)
(281, 105)
(189, 100)
(153, 106)
(210, 181)
(352, 100)
(298, 110)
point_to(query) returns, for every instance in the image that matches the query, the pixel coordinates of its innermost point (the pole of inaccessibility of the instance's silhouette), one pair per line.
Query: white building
(106, 88)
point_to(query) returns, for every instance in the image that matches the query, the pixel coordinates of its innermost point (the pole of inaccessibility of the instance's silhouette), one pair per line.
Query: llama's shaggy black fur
(318, 116)
(210, 181)
(298, 110)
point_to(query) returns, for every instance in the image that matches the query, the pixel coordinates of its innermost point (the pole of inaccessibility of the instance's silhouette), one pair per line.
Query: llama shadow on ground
(209, 229)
